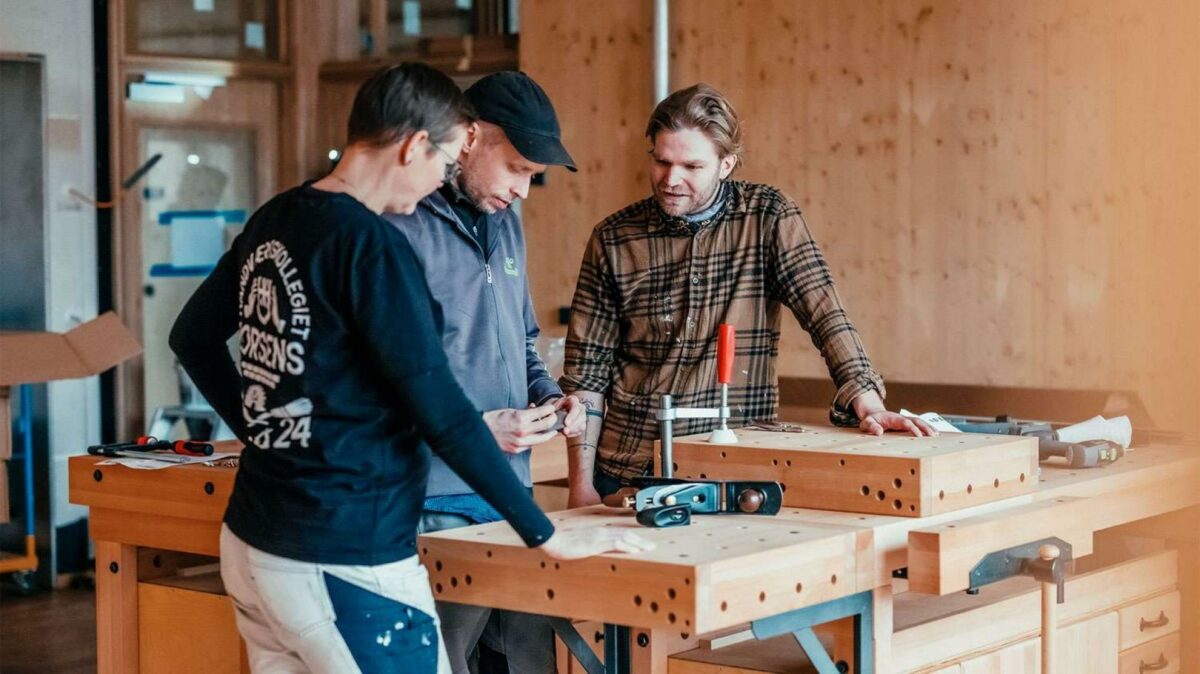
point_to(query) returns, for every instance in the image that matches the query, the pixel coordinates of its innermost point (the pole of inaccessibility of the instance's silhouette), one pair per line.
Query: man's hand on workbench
(876, 420)
(580, 543)
(879, 422)
(518, 430)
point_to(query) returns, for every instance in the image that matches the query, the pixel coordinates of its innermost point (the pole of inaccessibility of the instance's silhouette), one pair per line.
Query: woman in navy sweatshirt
(340, 374)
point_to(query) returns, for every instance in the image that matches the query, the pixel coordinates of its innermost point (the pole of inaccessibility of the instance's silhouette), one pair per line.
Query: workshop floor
(50, 632)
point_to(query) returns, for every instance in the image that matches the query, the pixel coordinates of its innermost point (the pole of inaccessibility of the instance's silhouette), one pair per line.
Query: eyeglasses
(452, 169)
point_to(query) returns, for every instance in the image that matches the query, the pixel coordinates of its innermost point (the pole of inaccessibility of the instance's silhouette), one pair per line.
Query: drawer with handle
(1149, 619)
(1160, 656)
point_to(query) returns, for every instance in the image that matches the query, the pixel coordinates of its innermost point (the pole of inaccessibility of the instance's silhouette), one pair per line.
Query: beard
(687, 204)
(477, 193)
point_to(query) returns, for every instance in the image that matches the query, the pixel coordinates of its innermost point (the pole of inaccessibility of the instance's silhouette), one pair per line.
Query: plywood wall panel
(1007, 191)
(593, 59)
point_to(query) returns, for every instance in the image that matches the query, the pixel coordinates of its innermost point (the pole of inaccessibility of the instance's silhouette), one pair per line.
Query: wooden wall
(595, 66)
(1007, 191)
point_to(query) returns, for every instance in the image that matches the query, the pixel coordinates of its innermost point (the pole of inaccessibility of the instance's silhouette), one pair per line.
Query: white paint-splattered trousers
(327, 618)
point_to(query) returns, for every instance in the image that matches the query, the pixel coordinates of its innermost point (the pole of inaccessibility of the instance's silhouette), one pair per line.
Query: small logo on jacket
(510, 266)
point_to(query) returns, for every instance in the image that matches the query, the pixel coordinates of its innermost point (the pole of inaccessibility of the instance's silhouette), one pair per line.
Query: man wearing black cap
(472, 250)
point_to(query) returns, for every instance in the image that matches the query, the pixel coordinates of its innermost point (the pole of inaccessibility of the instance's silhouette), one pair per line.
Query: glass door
(194, 201)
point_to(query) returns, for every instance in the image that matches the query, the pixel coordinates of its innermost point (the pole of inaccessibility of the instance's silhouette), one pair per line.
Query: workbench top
(719, 571)
(182, 507)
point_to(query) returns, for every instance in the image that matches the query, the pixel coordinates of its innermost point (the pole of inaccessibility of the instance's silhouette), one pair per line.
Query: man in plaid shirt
(660, 275)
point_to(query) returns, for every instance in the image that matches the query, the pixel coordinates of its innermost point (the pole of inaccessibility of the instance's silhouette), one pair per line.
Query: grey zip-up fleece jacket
(489, 328)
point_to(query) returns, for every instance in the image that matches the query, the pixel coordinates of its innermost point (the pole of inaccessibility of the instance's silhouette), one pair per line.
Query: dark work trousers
(526, 640)
(606, 484)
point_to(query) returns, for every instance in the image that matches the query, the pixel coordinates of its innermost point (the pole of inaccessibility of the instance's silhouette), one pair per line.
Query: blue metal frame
(618, 656)
(26, 563)
(799, 623)
(577, 645)
(27, 448)
(25, 456)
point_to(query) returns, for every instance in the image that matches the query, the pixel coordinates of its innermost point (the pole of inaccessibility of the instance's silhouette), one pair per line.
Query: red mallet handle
(725, 347)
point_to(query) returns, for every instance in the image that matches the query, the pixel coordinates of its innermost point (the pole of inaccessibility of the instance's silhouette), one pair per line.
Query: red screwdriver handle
(189, 448)
(184, 447)
(725, 347)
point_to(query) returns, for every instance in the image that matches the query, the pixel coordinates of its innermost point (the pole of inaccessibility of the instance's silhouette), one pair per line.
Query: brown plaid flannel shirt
(651, 294)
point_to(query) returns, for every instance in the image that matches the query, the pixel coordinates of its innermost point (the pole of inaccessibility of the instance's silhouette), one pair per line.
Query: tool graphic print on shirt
(274, 323)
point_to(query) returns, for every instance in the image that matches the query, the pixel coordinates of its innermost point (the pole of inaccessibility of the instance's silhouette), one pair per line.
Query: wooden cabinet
(1089, 646)
(1121, 615)
(937, 631)
(1161, 656)
(186, 624)
(1147, 620)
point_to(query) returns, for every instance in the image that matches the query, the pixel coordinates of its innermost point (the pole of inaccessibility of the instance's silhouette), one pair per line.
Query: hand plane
(666, 502)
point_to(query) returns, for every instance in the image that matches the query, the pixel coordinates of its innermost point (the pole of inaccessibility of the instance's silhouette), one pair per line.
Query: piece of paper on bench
(151, 464)
(934, 419)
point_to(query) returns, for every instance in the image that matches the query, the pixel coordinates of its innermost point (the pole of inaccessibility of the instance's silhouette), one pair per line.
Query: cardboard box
(35, 357)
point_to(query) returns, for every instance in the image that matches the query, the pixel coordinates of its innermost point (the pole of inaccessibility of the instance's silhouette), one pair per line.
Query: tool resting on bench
(664, 501)
(145, 446)
(1085, 454)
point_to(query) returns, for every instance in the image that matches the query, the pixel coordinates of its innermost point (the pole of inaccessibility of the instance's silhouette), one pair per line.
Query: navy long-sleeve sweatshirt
(341, 374)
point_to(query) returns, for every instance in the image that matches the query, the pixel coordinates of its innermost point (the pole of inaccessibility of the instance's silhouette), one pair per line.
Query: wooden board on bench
(837, 469)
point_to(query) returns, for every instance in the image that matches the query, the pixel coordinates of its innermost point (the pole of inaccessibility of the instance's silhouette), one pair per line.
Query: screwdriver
(148, 443)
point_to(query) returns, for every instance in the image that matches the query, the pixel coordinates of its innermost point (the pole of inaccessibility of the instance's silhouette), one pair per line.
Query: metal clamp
(1023, 560)
(667, 413)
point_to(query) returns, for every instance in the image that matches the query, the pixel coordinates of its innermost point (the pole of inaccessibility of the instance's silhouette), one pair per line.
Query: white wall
(61, 31)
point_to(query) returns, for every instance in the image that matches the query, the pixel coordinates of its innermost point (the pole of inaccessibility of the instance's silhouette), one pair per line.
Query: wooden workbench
(710, 577)
(156, 533)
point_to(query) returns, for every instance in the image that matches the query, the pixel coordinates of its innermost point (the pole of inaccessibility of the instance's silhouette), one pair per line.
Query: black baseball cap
(514, 102)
